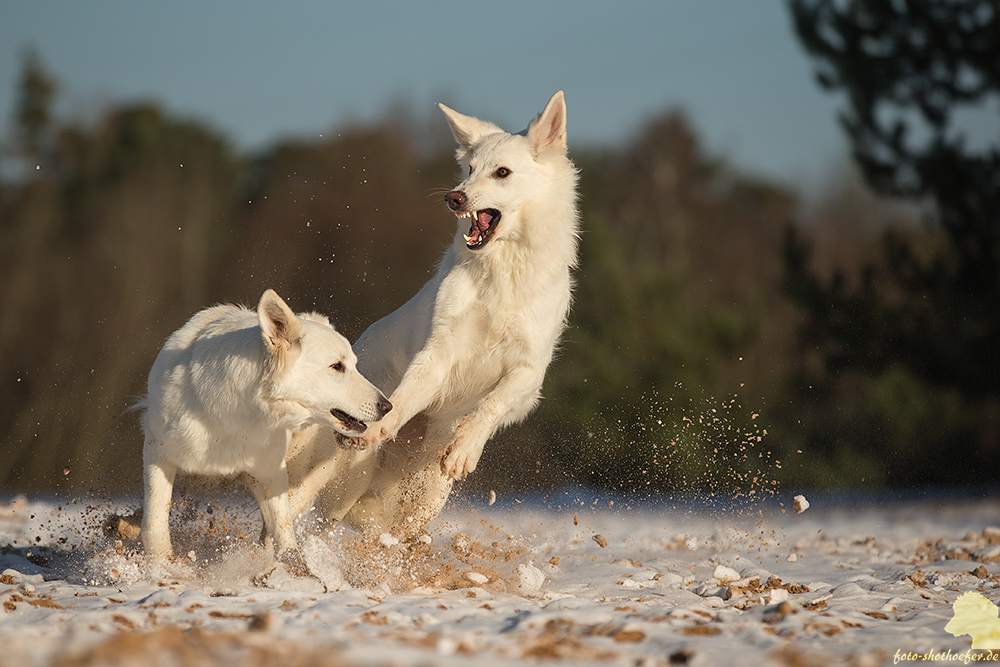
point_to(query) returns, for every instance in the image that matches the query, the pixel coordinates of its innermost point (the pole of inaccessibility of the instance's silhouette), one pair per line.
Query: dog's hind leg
(409, 488)
(159, 486)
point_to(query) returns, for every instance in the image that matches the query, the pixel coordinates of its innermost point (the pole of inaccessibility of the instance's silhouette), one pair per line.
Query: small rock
(818, 603)
(601, 541)
(792, 558)
(980, 572)
(800, 504)
(529, 578)
(669, 580)
(123, 527)
(777, 596)
(725, 575)
(477, 578)
(710, 591)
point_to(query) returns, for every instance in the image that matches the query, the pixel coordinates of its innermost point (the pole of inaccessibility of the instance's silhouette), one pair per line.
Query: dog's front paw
(373, 436)
(459, 462)
(356, 444)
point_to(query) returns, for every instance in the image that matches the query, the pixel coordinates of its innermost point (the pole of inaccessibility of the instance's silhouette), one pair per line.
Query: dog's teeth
(468, 239)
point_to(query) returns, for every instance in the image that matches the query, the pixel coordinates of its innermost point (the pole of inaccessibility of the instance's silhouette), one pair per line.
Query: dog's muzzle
(483, 222)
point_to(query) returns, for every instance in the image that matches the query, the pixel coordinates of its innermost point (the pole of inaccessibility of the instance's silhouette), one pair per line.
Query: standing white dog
(466, 355)
(226, 393)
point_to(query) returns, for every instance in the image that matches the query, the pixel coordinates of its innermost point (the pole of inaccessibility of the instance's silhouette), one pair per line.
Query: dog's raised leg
(417, 389)
(158, 489)
(518, 388)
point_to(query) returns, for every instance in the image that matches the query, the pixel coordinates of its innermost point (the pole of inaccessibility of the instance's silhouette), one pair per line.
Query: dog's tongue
(480, 225)
(483, 220)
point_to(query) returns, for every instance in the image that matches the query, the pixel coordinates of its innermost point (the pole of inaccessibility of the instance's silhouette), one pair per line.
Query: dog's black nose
(456, 199)
(383, 407)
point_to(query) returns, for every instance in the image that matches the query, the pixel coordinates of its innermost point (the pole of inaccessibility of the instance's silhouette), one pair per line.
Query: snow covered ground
(569, 579)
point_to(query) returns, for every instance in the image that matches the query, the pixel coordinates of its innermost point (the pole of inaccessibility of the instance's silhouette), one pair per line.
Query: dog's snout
(455, 199)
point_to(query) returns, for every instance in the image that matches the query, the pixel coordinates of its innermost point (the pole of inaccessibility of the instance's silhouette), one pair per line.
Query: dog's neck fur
(279, 413)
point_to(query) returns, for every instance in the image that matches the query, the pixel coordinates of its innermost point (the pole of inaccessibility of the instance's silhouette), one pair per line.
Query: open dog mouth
(349, 423)
(484, 223)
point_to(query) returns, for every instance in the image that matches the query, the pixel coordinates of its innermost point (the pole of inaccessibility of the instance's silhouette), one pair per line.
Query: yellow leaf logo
(978, 617)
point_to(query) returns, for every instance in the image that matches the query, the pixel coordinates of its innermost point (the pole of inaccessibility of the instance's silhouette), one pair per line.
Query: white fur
(468, 353)
(226, 393)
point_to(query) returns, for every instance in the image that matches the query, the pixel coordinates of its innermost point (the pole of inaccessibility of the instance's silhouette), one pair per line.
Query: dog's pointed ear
(279, 326)
(467, 130)
(548, 130)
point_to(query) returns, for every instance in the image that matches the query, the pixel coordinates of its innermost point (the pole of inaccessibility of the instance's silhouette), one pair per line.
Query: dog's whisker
(438, 192)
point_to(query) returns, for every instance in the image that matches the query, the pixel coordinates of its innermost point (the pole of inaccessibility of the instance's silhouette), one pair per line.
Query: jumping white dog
(467, 354)
(226, 393)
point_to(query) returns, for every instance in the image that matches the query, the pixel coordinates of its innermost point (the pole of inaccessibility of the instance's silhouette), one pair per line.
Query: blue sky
(261, 71)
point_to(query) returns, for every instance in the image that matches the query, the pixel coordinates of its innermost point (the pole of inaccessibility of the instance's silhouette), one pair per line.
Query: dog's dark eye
(339, 367)
(502, 172)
